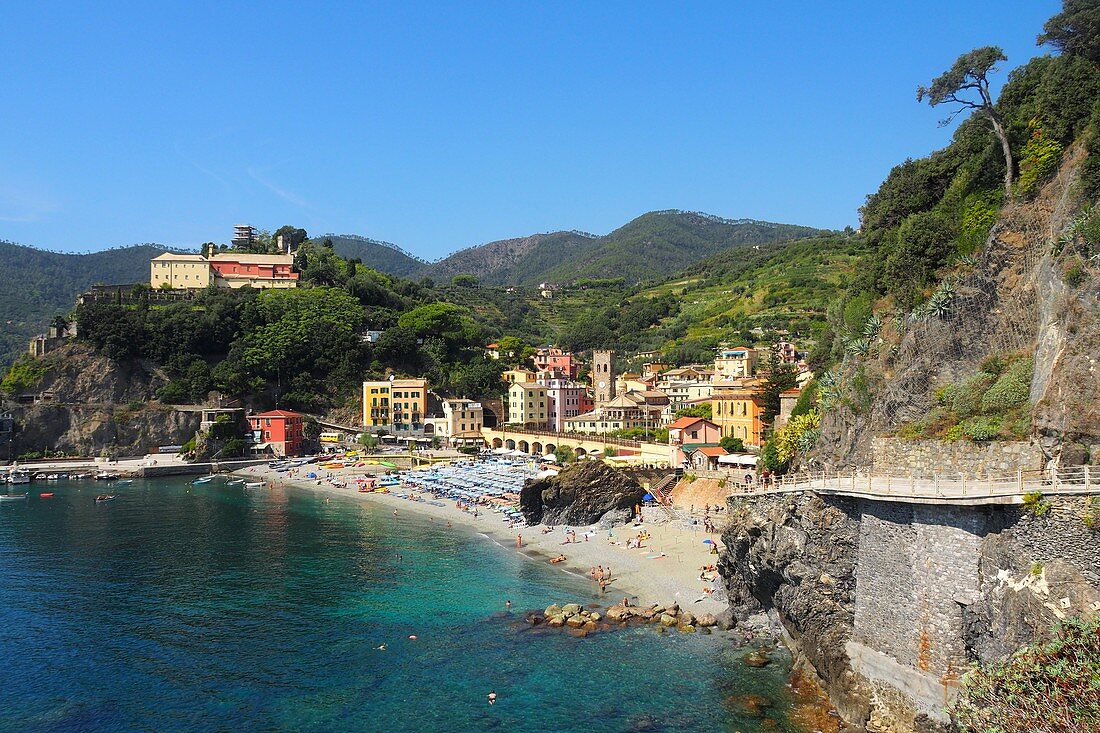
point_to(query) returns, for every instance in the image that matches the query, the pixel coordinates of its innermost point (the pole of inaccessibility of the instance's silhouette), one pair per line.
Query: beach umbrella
(647, 497)
(708, 541)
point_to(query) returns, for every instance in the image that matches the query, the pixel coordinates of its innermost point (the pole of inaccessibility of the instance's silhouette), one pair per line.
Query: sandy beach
(664, 570)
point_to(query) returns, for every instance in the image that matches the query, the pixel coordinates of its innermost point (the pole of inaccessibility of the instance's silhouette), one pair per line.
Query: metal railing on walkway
(1075, 480)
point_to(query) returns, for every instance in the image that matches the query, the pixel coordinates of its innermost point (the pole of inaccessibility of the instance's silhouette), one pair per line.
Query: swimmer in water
(381, 647)
(492, 697)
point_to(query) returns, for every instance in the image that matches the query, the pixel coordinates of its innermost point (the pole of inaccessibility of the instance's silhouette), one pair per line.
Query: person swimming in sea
(492, 697)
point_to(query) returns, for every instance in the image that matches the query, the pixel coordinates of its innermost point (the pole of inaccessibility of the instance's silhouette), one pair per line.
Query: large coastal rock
(580, 495)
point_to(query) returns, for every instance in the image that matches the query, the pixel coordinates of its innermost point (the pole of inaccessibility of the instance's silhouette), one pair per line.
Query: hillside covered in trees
(36, 285)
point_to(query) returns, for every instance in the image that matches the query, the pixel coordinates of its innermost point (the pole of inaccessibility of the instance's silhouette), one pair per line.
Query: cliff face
(98, 406)
(794, 557)
(1012, 298)
(890, 603)
(582, 494)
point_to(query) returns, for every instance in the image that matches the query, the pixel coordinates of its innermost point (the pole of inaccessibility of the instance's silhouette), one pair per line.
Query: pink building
(553, 359)
(564, 399)
(688, 434)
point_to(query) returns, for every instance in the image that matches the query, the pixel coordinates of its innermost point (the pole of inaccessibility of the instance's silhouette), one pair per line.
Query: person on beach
(519, 540)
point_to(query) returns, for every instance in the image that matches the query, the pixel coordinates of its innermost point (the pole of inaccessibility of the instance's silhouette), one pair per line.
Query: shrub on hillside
(982, 427)
(1012, 388)
(1043, 688)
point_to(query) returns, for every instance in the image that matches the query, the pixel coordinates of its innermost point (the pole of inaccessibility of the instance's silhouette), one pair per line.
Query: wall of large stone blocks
(953, 459)
(917, 569)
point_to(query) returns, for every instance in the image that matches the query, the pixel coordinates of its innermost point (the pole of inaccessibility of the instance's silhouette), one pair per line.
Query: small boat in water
(46, 495)
(41, 476)
(104, 498)
(107, 476)
(254, 484)
(124, 481)
(19, 477)
(12, 497)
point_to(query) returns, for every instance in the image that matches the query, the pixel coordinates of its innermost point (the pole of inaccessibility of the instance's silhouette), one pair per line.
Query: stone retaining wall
(953, 459)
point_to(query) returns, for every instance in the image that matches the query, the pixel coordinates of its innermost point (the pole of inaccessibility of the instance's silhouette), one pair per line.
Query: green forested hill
(660, 242)
(36, 285)
(381, 256)
(645, 249)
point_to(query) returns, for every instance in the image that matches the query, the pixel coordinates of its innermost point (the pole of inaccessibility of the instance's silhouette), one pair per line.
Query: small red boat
(46, 495)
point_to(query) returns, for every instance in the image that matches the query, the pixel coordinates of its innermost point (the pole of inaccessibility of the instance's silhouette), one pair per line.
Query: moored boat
(104, 498)
(45, 495)
(12, 497)
(107, 476)
(19, 477)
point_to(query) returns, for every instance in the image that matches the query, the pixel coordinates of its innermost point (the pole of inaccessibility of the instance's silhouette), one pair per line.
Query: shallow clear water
(182, 608)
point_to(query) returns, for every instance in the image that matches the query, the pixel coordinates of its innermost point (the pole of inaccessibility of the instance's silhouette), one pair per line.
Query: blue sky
(440, 126)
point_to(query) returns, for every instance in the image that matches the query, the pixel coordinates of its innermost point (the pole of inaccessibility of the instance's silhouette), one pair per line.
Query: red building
(240, 269)
(279, 430)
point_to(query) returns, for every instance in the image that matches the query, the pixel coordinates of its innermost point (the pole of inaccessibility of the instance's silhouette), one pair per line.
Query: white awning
(738, 459)
(502, 451)
(550, 457)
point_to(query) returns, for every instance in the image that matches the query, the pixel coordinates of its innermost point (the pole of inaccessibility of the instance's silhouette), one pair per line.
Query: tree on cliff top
(969, 74)
(1076, 30)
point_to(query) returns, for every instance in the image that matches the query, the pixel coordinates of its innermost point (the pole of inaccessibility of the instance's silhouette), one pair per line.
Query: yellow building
(738, 410)
(399, 405)
(527, 404)
(518, 375)
(179, 271)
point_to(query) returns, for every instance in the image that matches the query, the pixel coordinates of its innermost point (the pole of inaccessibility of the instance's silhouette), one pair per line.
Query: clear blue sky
(443, 126)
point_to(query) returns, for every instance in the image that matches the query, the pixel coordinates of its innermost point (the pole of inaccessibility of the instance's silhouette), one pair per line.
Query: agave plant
(808, 440)
(857, 346)
(939, 305)
(872, 326)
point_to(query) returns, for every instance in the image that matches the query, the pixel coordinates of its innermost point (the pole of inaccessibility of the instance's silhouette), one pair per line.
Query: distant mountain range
(651, 247)
(36, 285)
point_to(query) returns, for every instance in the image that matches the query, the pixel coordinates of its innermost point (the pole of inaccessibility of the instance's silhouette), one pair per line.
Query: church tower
(603, 375)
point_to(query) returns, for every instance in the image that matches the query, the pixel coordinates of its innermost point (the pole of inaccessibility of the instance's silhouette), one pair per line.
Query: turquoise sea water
(180, 608)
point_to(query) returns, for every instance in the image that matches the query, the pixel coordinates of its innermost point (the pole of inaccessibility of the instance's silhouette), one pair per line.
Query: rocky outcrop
(96, 406)
(1012, 298)
(794, 557)
(580, 495)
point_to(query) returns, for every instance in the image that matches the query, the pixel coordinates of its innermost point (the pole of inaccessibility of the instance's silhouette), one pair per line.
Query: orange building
(738, 410)
(279, 430)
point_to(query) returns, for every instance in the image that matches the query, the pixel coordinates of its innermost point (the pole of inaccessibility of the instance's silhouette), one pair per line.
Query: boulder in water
(571, 609)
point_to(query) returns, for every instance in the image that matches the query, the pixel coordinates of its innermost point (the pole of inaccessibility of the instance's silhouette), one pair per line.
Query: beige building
(737, 363)
(513, 376)
(225, 270)
(647, 410)
(464, 419)
(527, 404)
(179, 271)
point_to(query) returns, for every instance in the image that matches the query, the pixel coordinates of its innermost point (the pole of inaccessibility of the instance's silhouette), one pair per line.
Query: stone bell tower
(603, 375)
